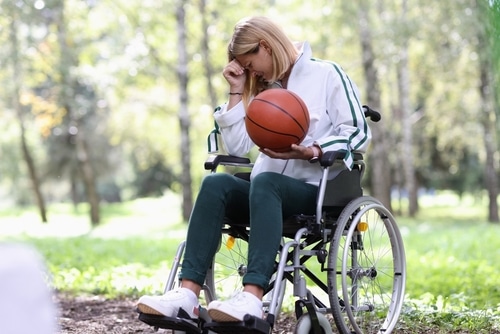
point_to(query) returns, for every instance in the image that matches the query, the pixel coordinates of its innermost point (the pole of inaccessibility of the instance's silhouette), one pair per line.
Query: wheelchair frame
(357, 243)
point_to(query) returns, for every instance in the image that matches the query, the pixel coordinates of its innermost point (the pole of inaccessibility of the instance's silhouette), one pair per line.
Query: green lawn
(452, 254)
(129, 254)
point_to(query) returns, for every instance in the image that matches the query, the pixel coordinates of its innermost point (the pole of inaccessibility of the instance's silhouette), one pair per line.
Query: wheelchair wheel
(367, 265)
(304, 325)
(225, 276)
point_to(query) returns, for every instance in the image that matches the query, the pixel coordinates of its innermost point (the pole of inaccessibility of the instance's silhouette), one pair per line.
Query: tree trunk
(379, 164)
(74, 190)
(488, 118)
(184, 118)
(35, 181)
(68, 89)
(406, 123)
(88, 176)
(205, 52)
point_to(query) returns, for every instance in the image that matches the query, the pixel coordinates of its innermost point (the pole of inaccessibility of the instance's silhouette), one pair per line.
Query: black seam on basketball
(272, 131)
(304, 111)
(283, 110)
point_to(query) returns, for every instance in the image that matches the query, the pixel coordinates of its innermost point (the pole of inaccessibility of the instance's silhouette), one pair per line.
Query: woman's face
(258, 64)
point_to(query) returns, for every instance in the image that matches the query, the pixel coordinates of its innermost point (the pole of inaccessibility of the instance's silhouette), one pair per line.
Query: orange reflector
(230, 242)
(362, 226)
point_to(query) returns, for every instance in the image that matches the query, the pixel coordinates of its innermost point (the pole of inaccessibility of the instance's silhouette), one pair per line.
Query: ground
(97, 315)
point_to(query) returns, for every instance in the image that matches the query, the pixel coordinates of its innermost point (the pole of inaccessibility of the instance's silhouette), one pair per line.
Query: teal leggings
(267, 200)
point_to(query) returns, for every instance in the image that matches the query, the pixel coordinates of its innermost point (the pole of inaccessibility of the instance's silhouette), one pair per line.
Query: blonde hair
(247, 36)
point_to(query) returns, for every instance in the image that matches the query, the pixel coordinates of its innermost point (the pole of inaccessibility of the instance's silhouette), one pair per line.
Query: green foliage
(154, 180)
(438, 321)
(110, 267)
(463, 255)
(494, 19)
(129, 66)
(451, 256)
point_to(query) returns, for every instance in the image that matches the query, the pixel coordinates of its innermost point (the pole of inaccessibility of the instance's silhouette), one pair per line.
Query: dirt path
(97, 315)
(93, 315)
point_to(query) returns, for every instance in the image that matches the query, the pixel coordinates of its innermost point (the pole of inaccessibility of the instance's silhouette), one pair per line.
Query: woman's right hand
(235, 75)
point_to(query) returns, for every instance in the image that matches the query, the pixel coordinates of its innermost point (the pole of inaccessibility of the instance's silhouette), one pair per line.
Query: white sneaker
(170, 303)
(236, 308)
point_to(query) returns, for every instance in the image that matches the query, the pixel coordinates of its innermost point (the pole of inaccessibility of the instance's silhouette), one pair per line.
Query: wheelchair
(352, 239)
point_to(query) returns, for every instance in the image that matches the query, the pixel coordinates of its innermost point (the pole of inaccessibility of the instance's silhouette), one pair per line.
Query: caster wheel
(304, 325)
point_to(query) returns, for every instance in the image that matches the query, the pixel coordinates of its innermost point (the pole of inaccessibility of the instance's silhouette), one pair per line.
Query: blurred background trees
(110, 100)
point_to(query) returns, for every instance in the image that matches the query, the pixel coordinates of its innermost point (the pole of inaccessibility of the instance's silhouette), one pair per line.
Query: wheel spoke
(368, 256)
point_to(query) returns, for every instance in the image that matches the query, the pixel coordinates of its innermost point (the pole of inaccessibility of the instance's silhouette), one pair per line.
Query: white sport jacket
(337, 120)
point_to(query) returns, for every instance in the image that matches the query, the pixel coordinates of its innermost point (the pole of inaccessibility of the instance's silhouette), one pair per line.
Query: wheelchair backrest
(345, 187)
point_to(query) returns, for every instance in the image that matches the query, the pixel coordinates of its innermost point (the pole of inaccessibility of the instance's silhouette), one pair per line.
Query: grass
(452, 255)
(129, 254)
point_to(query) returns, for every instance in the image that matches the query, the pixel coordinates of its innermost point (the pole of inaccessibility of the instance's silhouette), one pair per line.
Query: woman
(261, 56)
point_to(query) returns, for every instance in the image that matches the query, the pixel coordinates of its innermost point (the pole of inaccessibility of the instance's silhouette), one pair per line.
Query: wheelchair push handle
(371, 114)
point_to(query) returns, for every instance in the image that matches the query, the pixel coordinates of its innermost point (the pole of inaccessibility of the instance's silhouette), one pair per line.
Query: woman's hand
(296, 152)
(235, 75)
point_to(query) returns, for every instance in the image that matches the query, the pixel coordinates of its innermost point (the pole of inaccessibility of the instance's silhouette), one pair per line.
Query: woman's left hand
(296, 152)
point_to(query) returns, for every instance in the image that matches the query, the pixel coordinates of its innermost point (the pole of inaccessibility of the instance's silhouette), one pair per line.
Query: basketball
(276, 119)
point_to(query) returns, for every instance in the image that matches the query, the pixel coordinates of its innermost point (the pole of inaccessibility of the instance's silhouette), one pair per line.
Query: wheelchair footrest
(249, 325)
(178, 324)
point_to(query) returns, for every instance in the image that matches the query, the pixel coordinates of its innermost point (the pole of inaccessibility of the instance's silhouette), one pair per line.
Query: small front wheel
(304, 324)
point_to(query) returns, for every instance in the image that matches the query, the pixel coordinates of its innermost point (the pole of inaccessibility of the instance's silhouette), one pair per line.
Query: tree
(380, 166)
(17, 77)
(68, 101)
(488, 119)
(205, 53)
(494, 37)
(184, 117)
(407, 148)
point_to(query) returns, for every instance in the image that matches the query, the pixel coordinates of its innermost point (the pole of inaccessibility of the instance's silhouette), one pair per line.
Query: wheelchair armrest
(327, 159)
(330, 157)
(214, 161)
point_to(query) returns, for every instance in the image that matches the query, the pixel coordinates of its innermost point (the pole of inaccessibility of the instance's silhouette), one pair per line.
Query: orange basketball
(276, 119)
